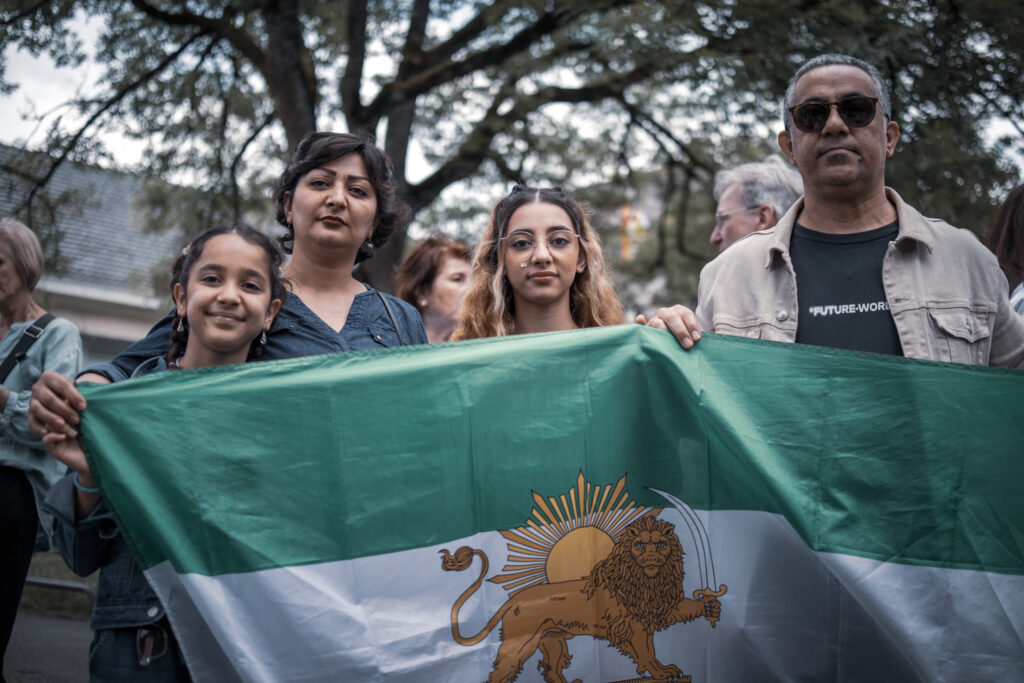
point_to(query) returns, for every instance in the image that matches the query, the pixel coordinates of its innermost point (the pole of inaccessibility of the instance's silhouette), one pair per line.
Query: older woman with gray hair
(31, 341)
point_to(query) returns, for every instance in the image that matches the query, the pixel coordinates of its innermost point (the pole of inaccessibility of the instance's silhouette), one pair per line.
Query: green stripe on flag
(336, 457)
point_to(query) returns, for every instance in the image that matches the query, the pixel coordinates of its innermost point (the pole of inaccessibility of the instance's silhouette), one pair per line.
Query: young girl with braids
(539, 268)
(227, 288)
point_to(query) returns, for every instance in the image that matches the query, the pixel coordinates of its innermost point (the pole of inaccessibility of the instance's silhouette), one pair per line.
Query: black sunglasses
(856, 111)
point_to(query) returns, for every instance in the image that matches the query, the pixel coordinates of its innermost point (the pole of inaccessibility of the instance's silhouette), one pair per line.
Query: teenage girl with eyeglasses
(539, 268)
(227, 287)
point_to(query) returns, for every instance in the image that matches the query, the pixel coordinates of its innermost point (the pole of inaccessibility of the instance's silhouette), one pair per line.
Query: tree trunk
(381, 268)
(289, 70)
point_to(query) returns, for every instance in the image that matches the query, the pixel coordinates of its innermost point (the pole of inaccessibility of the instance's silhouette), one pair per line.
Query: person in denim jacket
(872, 273)
(125, 604)
(227, 290)
(337, 200)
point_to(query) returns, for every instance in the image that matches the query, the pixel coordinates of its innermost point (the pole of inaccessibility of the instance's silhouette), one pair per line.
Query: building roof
(106, 251)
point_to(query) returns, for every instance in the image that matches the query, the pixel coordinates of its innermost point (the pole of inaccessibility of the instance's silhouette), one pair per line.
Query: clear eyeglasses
(720, 217)
(522, 243)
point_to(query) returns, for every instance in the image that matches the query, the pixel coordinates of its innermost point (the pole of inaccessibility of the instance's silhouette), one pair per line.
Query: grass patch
(57, 602)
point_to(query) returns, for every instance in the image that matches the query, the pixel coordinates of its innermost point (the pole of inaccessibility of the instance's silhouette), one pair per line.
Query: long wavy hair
(489, 308)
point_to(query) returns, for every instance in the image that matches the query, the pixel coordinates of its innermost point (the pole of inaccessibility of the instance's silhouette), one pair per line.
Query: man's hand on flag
(679, 320)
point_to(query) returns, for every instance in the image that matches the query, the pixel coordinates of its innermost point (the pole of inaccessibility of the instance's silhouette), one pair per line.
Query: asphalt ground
(46, 649)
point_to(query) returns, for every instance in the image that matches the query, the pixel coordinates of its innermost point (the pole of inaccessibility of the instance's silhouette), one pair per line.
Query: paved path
(48, 650)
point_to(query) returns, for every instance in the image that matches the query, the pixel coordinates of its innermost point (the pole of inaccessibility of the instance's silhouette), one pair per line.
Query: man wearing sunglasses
(752, 197)
(851, 265)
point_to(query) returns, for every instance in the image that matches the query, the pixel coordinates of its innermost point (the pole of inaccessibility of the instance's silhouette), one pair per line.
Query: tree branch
(507, 172)
(673, 186)
(685, 190)
(24, 13)
(431, 76)
(646, 122)
(476, 146)
(489, 16)
(116, 98)
(289, 77)
(400, 119)
(351, 104)
(221, 27)
(1005, 113)
(236, 204)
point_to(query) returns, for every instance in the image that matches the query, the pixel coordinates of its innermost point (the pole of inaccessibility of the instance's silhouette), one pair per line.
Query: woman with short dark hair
(318, 150)
(26, 469)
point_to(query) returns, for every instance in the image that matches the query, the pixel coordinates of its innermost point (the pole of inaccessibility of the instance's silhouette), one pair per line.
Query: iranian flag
(593, 505)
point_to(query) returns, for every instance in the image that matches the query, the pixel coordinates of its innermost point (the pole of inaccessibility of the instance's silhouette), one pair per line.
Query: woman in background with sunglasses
(539, 268)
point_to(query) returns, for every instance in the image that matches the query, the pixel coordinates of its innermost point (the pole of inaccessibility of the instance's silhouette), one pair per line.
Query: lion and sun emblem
(590, 563)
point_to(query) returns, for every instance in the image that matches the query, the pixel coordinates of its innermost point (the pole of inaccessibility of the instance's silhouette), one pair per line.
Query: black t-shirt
(839, 290)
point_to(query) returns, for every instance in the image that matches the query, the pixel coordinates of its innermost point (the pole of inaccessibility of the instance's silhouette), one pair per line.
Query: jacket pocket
(966, 330)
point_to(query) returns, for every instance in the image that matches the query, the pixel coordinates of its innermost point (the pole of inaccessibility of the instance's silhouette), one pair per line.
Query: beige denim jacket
(946, 293)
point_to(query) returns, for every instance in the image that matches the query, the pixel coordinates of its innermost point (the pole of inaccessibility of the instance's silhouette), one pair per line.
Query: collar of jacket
(913, 227)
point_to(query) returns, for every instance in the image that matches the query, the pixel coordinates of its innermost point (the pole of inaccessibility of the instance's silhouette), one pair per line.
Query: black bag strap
(391, 314)
(28, 338)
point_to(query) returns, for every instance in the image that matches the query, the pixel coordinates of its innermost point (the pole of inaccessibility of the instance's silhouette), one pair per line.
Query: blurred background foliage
(633, 104)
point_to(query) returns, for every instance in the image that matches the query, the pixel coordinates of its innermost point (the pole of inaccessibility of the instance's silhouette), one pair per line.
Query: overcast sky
(44, 88)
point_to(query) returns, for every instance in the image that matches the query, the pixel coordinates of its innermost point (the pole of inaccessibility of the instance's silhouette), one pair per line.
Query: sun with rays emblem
(565, 537)
(591, 562)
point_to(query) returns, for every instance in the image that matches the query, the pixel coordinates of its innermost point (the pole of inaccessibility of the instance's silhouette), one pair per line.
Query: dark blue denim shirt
(123, 598)
(297, 331)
